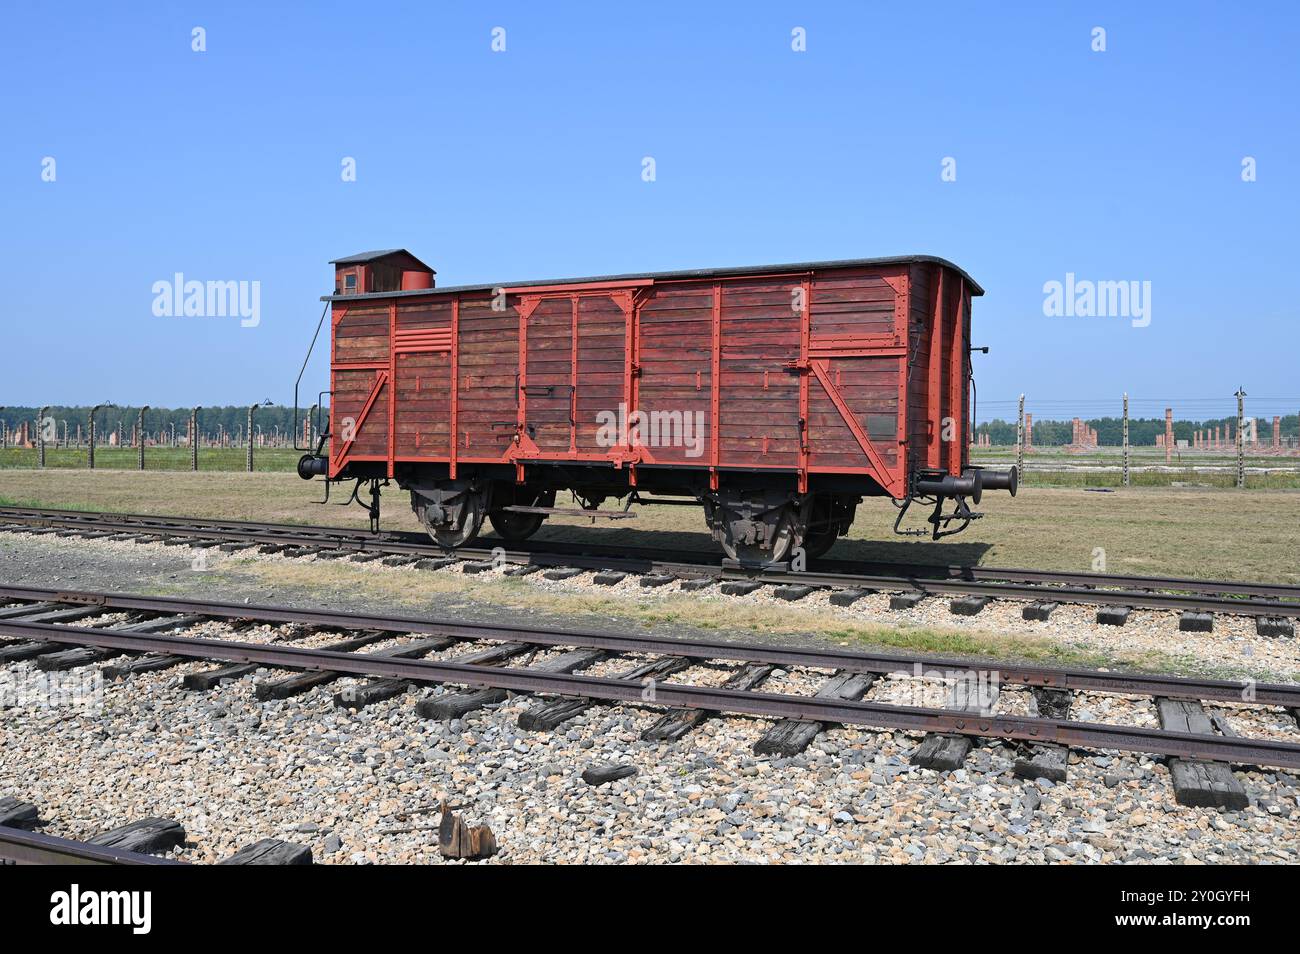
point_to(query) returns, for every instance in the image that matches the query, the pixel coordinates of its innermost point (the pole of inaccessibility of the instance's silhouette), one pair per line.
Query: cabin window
(350, 282)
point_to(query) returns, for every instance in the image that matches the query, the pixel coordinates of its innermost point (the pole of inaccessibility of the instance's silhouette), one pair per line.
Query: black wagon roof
(686, 274)
(362, 258)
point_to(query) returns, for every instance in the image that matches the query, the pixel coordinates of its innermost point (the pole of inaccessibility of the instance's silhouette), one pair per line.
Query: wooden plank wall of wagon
(921, 302)
(854, 302)
(423, 417)
(489, 360)
(675, 352)
(759, 402)
(602, 341)
(360, 336)
(548, 381)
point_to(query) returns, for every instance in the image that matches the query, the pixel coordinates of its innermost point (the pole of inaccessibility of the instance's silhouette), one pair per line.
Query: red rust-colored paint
(415, 280)
(858, 383)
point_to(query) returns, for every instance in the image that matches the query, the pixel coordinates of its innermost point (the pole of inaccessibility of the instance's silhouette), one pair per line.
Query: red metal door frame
(623, 294)
(381, 379)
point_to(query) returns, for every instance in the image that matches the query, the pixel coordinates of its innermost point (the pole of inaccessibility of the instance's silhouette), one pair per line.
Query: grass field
(1248, 535)
(155, 458)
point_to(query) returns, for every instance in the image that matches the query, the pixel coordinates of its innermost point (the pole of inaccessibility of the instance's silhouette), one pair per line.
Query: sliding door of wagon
(856, 352)
(602, 366)
(546, 379)
(573, 374)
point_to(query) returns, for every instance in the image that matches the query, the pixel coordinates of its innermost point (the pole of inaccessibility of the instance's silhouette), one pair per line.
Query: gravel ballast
(366, 786)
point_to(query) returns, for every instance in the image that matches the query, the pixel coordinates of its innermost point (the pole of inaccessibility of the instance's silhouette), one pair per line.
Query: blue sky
(1123, 165)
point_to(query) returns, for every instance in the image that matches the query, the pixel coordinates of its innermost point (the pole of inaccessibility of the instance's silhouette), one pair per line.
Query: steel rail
(585, 556)
(30, 848)
(1134, 683)
(705, 560)
(1138, 599)
(833, 570)
(1231, 749)
(1256, 599)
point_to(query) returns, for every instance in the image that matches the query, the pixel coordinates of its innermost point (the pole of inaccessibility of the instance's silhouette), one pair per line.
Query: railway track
(41, 624)
(36, 848)
(135, 843)
(1273, 605)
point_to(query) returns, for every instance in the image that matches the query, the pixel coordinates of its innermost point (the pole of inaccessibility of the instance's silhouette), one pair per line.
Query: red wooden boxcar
(776, 397)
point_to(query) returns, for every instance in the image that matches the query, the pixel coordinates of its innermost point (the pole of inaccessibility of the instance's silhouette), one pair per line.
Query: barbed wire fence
(1235, 435)
(168, 434)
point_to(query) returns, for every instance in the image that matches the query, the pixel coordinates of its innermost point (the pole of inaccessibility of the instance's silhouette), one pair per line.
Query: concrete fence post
(1126, 439)
(194, 439)
(248, 462)
(139, 436)
(1169, 435)
(40, 436)
(90, 427)
(1020, 438)
(1241, 449)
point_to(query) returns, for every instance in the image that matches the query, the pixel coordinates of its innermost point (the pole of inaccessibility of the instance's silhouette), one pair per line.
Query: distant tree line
(1141, 430)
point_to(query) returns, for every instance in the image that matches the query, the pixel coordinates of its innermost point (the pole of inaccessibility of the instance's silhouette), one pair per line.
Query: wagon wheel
(782, 542)
(823, 530)
(450, 535)
(515, 526)
(817, 542)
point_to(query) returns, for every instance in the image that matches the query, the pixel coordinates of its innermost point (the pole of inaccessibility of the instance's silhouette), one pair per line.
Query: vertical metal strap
(573, 376)
(454, 431)
(392, 386)
(934, 397)
(957, 380)
(629, 359)
(526, 307)
(805, 333)
(716, 382)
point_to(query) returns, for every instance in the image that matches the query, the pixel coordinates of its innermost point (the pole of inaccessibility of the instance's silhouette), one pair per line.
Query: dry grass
(1205, 533)
(1250, 535)
(684, 615)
